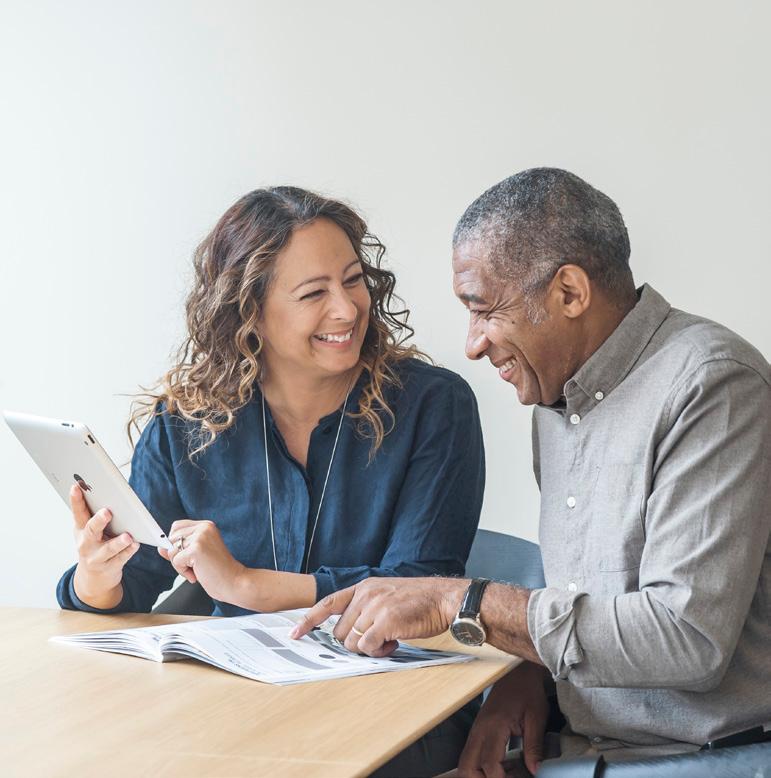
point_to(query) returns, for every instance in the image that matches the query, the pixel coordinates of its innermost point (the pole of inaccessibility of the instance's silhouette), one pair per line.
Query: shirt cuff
(324, 584)
(551, 620)
(77, 604)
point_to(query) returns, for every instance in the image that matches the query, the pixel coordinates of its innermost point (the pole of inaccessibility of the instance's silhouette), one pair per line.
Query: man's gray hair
(535, 221)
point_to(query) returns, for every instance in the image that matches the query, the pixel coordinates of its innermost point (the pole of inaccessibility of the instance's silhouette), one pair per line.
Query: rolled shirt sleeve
(706, 531)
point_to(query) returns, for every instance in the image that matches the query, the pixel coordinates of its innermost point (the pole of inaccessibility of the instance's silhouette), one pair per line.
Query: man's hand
(200, 554)
(378, 612)
(517, 705)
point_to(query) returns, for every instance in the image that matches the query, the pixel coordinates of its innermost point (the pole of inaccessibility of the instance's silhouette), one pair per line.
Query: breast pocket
(619, 533)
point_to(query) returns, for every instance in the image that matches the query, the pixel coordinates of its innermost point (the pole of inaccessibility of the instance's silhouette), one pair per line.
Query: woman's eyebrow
(325, 278)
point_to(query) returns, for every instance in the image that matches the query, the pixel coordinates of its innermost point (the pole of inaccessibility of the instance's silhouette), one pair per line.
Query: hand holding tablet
(67, 452)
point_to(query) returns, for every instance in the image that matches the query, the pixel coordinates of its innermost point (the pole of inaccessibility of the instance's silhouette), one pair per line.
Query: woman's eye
(312, 295)
(353, 280)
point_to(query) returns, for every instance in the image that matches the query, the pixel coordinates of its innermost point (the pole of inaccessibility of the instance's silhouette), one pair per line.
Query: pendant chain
(323, 490)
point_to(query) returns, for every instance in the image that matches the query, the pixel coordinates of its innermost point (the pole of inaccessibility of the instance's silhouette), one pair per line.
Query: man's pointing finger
(332, 604)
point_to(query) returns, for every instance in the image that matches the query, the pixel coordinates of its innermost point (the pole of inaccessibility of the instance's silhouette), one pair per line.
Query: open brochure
(258, 646)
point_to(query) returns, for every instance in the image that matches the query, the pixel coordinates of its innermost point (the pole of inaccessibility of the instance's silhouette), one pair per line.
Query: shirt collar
(610, 364)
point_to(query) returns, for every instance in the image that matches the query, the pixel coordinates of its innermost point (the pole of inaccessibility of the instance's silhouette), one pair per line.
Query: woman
(298, 446)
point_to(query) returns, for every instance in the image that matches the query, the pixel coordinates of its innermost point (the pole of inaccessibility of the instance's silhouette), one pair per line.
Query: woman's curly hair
(219, 362)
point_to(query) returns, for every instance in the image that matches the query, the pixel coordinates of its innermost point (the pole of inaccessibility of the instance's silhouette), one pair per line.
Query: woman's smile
(340, 339)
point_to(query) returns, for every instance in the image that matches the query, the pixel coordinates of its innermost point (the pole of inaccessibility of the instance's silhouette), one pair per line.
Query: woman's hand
(101, 557)
(517, 705)
(200, 554)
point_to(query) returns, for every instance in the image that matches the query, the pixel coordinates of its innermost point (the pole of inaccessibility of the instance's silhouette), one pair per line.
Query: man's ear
(572, 289)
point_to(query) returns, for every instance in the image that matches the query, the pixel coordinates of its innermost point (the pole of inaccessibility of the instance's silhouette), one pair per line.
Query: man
(652, 450)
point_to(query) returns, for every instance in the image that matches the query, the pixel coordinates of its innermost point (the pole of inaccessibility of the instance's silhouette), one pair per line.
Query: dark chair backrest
(505, 558)
(187, 599)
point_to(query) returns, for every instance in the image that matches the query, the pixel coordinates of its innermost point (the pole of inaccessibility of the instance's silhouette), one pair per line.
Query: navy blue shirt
(412, 511)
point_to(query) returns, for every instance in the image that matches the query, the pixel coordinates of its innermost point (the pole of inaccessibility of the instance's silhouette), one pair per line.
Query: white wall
(128, 128)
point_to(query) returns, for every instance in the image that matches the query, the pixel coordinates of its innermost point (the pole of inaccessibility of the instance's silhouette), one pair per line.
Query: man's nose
(476, 343)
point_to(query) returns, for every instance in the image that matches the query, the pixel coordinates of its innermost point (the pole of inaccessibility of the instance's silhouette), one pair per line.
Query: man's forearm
(504, 615)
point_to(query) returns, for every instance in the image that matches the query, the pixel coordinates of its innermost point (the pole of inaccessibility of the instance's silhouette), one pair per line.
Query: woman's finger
(107, 551)
(80, 511)
(97, 524)
(182, 561)
(181, 524)
(120, 559)
(185, 534)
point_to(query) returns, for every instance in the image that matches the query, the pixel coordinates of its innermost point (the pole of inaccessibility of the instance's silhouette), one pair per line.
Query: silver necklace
(323, 489)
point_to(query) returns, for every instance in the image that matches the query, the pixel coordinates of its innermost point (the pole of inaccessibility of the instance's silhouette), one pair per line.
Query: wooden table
(66, 711)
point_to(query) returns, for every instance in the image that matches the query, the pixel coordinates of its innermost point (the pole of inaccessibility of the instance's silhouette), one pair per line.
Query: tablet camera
(81, 483)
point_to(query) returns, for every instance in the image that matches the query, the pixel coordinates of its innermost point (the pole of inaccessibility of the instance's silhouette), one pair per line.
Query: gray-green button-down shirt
(655, 486)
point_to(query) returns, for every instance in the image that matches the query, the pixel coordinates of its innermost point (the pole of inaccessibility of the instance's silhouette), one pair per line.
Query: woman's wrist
(258, 589)
(251, 588)
(90, 593)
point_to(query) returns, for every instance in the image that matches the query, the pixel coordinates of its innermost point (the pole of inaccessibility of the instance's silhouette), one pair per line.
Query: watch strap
(472, 602)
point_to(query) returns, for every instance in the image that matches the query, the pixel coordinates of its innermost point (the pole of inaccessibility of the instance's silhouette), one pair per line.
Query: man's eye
(312, 295)
(353, 280)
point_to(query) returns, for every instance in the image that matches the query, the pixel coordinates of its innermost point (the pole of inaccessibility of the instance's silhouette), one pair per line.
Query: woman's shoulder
(420, 377)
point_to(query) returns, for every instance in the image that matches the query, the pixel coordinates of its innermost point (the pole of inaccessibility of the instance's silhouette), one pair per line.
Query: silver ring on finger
(180, 544)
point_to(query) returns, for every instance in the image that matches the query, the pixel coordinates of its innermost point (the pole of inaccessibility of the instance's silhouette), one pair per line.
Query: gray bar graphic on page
(299, 660)
(264, 638)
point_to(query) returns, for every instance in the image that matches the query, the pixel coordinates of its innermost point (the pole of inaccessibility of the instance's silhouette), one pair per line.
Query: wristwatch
(467, 627)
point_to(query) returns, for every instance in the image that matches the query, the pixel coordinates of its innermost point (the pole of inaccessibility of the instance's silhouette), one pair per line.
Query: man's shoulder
(689, 342)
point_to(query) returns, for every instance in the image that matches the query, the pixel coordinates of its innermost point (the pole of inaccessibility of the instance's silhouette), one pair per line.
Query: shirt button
(571, 501)
(599, 395)
(597, 739)
(572, 586)
(575, 418)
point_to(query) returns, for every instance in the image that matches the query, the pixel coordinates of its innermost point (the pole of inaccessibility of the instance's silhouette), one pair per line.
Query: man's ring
(356, 632)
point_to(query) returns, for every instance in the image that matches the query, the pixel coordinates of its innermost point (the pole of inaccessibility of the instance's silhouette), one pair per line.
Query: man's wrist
(504, 617)
(453, 595)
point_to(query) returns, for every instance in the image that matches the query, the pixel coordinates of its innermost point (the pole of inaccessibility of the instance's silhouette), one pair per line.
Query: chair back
(188, 599)
(505, 558)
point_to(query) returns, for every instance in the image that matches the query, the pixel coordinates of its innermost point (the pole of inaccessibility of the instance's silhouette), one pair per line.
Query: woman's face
(317, 308)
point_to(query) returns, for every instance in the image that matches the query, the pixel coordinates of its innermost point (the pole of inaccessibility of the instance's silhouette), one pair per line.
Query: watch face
(468, 631)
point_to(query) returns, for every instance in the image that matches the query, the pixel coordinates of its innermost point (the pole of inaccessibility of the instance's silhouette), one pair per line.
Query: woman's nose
(343, 307)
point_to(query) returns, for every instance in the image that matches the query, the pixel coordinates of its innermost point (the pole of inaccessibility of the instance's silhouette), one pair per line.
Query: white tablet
(67, 452)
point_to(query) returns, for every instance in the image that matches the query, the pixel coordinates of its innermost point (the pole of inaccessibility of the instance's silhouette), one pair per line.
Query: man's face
(536, 359)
